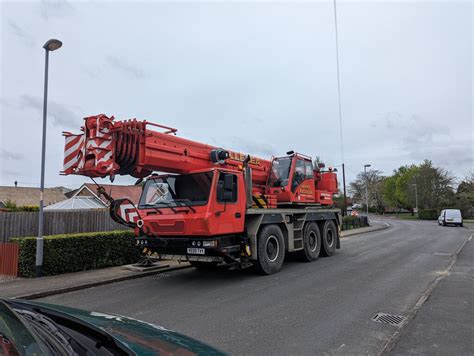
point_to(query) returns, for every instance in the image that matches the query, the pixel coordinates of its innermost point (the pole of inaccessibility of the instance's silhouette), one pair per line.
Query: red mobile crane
(212, 205)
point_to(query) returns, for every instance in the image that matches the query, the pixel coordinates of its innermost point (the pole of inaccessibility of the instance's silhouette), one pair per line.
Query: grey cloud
(446, 154)
(412, 131)
(252, 147)
(94, 73)
(6, 103)
(421, 133)
(8, 172)
(124, 66)
(391, 119)
(9, 155)
(55, 8)
(61, 115)
(420, 140)
(23, 35)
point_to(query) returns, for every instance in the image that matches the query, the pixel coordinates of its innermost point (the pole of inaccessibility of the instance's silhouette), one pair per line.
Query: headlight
(212, 243)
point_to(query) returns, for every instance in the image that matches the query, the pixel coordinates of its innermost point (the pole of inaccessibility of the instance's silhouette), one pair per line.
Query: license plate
(196, 251)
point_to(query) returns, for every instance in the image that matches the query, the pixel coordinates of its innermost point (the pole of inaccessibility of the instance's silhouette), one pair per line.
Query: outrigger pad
(124, 212)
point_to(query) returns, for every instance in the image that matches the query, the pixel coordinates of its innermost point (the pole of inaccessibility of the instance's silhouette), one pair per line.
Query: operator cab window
(308, 168)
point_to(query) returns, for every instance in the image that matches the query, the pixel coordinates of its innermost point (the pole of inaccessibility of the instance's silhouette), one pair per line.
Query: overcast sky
(255, 77)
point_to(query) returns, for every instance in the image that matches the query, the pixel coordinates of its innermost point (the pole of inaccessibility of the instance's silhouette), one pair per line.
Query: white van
(450, 216)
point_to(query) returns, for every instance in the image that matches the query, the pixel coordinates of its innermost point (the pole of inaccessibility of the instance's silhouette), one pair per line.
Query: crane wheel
(204, 266)
(311, 243)
(270, 250)
(329, 238)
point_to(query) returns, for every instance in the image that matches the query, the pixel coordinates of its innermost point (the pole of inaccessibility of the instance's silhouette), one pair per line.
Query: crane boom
(130, 147)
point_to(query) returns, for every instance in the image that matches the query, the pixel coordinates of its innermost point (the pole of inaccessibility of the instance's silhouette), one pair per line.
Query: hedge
(78, 252)
(428, 214)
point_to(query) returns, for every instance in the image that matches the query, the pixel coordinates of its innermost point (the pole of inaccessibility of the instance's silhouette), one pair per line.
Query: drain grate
(391, 319)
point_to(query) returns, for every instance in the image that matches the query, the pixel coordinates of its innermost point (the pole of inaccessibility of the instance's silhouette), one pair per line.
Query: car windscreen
(16, 337)
(44, 331)
(177, 190)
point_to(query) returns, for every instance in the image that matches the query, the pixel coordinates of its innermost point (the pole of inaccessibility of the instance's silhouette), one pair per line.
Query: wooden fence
(22, 224)
(9, 259)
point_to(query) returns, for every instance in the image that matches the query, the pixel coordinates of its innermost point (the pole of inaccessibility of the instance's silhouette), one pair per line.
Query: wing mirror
(228, 182)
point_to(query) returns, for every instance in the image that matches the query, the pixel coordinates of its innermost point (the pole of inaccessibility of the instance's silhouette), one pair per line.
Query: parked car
(450, 216)
(31, 328)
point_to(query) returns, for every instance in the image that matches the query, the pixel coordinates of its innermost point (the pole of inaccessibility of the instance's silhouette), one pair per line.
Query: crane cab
(201, 203)
(294, 180)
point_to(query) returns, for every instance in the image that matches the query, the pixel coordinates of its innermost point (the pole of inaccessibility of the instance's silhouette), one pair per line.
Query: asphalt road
(324, 307)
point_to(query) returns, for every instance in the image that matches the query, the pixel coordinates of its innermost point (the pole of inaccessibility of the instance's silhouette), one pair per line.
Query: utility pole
(416, 198)
(366, 188)
(344, 211)
(49, 46)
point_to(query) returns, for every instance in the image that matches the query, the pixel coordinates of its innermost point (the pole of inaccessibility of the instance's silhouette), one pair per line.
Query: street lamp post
(49, 46)
(366, 189)
(416, 197)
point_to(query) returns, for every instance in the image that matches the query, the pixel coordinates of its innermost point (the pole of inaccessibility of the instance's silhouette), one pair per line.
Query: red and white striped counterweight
(93, 149)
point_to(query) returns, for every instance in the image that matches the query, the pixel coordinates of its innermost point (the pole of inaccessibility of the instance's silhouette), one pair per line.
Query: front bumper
(227, 248)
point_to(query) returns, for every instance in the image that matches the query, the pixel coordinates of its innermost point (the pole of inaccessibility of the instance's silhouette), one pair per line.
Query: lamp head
(52, 44)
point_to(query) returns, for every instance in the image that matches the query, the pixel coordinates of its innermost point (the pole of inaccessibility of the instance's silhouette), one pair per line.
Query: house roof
(30, 196)
(77, 203)
(132, 192)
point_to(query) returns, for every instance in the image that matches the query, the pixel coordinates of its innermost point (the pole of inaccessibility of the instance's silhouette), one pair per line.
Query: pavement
(325, 307)
(375, 225)
(444, 323)
(31, 288)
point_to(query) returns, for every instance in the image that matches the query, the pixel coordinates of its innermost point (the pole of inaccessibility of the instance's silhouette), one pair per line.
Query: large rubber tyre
(204, 266)
(329, 238)
(311, 243)
(270, 250)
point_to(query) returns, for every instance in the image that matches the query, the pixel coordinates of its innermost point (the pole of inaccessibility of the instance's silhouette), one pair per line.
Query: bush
(12, 207)
(28, 208)
(428, 214)
(78, 252)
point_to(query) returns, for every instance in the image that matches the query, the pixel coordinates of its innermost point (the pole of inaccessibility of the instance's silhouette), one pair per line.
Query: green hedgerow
(78, 252)
(428, 214)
